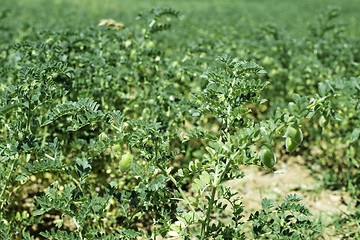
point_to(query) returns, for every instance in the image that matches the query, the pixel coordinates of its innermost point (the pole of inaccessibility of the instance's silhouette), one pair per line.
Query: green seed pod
(267, 157)
(291, 145)
(116, 147)
(125, 162)
(294, 132)
(323, 121)
(293, 137)
(103, 137)
(54, 75)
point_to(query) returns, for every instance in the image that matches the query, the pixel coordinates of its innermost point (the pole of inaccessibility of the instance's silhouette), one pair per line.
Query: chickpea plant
(230, 90)
(102, 122)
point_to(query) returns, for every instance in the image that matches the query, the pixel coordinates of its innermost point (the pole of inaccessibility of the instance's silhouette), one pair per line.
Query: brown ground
(296, 178)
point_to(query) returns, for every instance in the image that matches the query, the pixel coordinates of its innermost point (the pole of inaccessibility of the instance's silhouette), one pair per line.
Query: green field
(179, 119)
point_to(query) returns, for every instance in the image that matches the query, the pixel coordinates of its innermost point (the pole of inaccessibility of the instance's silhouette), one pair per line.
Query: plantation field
(179, 119)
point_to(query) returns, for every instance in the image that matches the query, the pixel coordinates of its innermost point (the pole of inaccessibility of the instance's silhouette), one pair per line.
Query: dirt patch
(292, 176)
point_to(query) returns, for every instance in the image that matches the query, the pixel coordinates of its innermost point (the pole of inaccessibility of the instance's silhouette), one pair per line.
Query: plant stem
(44, 136)
(321, 100)
(172, 179)
(205, 224)
(207, 218)
(284, 124)
(78, 227)
(178, 188)
(6, 183)
(116, 127)
(77, 184)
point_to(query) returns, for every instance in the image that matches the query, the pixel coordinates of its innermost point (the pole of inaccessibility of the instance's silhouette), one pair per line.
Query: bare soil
(291, 176)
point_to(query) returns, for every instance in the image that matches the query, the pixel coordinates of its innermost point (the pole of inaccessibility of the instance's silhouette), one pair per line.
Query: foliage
(288, 220)
(117, 131)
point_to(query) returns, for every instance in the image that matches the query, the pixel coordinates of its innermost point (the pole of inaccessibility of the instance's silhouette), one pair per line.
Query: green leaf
(267, 204)
(355, 135)
(83, 167)
(39, 212)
